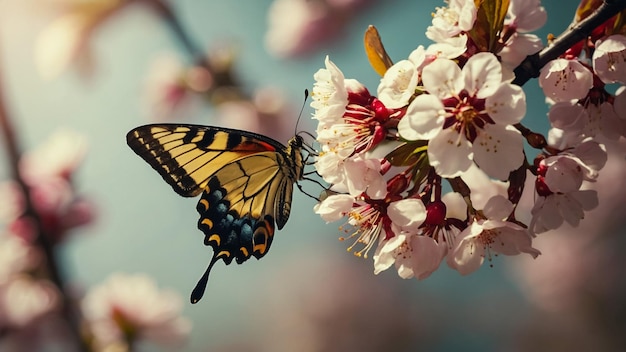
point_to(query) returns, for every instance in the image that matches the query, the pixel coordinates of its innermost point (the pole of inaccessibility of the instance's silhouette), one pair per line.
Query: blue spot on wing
(232, 235)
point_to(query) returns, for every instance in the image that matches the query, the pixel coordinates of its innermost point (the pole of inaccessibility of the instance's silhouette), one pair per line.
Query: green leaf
(408, 153)
(489, 23)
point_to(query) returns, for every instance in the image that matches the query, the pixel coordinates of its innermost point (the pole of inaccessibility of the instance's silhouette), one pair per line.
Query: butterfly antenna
(306, 96)
(305, 192)
(198, 291)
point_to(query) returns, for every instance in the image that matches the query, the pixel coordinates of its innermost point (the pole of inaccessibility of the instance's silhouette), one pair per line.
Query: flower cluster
(450, 112)
(28, 296)
(48, 172)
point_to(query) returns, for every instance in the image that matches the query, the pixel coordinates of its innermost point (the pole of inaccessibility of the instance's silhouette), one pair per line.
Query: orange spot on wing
(216, 238)
(254, 147)
(244, 251)
(223, 254)
(260, 248)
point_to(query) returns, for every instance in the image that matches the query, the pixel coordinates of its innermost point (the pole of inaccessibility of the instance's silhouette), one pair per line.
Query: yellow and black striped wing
(186, 156)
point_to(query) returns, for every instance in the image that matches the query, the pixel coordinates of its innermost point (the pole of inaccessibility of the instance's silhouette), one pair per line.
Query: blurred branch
(42, 237)
(532, 65)
(225, 85)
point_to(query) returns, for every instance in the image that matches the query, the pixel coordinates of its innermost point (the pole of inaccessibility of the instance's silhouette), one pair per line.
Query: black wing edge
(142, 151)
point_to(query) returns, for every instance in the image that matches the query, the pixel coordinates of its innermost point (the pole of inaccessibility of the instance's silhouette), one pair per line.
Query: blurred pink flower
(173, 90)
(66, 40)
(23, 300)
(297, 27)
(58, 207)
(16, 255)
(577, 262)
(335, 305)
(48, 171)
(127, 308)
(58, 156)
(268, 113)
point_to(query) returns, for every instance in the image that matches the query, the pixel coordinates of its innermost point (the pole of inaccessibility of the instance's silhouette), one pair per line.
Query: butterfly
(246, 181)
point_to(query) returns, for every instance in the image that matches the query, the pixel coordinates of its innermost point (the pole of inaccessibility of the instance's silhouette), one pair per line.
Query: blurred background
(308, 293)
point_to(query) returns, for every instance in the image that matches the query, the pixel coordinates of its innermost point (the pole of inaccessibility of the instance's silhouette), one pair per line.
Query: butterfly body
(246, 181)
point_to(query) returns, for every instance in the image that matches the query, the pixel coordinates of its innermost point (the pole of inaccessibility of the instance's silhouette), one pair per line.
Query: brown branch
(532, 65)
(224, 79)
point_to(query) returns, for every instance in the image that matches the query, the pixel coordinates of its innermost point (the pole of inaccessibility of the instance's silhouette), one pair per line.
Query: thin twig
(224, 80)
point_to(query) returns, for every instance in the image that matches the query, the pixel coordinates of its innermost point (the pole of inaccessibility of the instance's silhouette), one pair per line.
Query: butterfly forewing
(246, 181)
(187, 155)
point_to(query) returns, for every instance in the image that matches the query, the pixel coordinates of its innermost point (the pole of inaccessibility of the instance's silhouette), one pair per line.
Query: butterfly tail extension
(198, 291)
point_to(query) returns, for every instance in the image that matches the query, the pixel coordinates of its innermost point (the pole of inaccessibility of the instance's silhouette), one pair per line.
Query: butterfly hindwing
(231, 235)
(246, 181)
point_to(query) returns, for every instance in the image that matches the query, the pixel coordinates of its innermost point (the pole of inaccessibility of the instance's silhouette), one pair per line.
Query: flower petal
(498, 207)
(482, 74)
(507, 104)
(409, 213)
(498, 150)
(466, 256)
(426, 255)
(442, 78)
(609, 59)
(398, 84)
(334, 207)
(423, 119)
(450, 153)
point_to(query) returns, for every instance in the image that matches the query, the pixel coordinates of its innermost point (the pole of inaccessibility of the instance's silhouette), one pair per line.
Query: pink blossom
(126, 308)
(586, 118)
(329, 95)
(16, 255)
(551, 211)
(369, 219)
(526, 16)
(24, 300)
(413, 255)
(580, 261)
(564, 80)
(48, 171)
(490, 235)
(467, 117)
(398, 84)
(296, 27)
(171, 89)
(66, 40)
(364, 176)
(450, 21)
(59, 155)
(518, 47)
(351, 122)
(609, 59)
(334, 207)
(559, 183)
